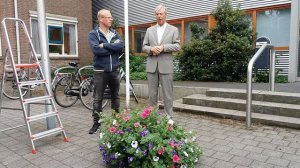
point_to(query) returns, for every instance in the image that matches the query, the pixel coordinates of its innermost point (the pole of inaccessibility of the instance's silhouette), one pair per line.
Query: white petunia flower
(101, 135)
(196, 160)
(117, 155)
(185, 154)
(114, 122)
(194, 139)
(185, 140)
(191, 149)
(155, 158)
(108, 145)
(191, 132)
(183, 166)
(170, 122)
(134, 144)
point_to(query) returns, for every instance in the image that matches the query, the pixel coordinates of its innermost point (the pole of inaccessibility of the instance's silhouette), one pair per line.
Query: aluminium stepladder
(33, 63)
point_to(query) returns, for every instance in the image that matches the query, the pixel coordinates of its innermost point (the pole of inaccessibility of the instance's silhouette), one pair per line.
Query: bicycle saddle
(73, 64)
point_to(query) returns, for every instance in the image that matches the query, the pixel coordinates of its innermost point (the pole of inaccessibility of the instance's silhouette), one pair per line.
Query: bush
(146, 139)
(224, 53)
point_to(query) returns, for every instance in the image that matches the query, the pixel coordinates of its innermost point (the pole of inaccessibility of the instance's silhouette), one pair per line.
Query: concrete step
(267, 119)
(279, 109)
(259, 95)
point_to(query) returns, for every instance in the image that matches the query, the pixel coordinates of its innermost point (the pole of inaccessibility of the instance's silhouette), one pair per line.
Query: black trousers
(101, 81)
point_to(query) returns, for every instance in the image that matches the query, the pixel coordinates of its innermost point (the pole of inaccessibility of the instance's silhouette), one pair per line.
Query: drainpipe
(17, 31)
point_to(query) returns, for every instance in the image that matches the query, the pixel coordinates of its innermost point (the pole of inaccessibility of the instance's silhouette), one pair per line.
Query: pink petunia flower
(172, 144)
(161, 151)
(137, 124)
(176, 158)
(112, 129)
(144, 115)
(126, 118)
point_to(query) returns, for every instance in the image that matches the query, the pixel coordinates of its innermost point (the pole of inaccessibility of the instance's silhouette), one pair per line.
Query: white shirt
(108, 35)
(160, 31)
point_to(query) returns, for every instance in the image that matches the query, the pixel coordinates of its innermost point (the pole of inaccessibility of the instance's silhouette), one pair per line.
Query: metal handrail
(249, 78)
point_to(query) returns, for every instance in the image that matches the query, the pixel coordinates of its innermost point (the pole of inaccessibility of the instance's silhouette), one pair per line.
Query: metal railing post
(272, 70)
(249, 78)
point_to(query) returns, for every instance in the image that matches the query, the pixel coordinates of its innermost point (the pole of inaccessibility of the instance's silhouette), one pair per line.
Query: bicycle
(10, 89)
(76, 85)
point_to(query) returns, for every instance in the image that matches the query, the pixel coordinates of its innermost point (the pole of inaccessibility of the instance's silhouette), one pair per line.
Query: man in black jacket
(106, 45)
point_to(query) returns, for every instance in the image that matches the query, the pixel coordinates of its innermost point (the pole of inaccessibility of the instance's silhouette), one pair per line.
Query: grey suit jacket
(171, 42)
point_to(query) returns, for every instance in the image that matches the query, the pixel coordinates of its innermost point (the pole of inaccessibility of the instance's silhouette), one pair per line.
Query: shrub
(146, 139)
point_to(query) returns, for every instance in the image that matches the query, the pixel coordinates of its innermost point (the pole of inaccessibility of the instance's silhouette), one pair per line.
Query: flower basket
(147, 139)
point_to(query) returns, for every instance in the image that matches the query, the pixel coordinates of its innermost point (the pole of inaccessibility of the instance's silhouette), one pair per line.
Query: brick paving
(226, 143)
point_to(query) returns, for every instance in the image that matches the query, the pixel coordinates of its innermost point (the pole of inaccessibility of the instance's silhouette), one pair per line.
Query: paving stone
(222, 156)
(280, 142)
(223, 164)
(286, 149)
(250, 142)
(278, 162)
(272, 153)
(220, 142)
(236, 145)
(208, 161)
(257, 156)
(294, 165)
(267, 146)
(221, 148)
(239, 152)
(263, 139)
(208, 152)
(241, 161)
(295, 158)
(257, 164)
(234, 139)
(253, 149)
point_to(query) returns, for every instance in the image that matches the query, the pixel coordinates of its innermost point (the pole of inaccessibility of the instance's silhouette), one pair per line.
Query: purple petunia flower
(112, 157)
(104, 156)
(150, 145)
(173, 152)
(102, 148)
(145, 152)
(144, 132)
(129, 129)
(159, 112)
(130, 159)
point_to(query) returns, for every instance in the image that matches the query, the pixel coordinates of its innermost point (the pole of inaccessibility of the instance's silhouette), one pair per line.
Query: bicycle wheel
(87, 93)
(10, 89)
(66, 92)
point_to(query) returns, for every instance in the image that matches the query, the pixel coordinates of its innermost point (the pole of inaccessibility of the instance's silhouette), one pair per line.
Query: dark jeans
(101, 80)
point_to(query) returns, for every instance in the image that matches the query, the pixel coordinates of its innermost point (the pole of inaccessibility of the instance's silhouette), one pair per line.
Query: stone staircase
(272, 108)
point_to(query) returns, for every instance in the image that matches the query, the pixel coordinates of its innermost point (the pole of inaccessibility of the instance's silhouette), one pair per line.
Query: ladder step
(41, 116)
(46, 133)
(34, 82)
(36, 99)
(27, 65)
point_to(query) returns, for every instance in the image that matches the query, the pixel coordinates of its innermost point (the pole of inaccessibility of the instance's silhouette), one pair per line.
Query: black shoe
(94, 128)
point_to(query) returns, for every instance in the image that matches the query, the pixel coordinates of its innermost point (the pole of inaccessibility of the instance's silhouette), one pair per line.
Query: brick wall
(82, 10)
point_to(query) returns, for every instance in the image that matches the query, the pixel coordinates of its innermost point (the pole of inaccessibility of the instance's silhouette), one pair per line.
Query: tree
(224, 53)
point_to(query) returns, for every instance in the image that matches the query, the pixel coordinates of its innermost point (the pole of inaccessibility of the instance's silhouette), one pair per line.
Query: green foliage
(146, 138)
(224, 53)
(137, 66)
(138, 75)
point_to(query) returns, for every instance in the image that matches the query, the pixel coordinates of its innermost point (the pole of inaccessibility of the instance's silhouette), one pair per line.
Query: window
(188, 32)
(139, 35)
(62, 36)
(274, 24)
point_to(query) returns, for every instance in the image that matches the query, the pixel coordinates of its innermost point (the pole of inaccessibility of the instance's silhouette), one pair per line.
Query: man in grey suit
(160, 41)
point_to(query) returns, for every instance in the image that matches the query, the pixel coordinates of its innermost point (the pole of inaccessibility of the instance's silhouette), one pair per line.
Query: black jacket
(106, 58)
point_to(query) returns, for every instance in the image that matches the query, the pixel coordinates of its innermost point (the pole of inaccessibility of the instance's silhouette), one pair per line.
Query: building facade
(269, 18)
(68, 23)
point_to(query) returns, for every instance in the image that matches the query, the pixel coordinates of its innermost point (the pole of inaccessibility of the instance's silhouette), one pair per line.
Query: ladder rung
(27, 65)
(36, 99)
(46, 133)
(41, 116)
(34, 82)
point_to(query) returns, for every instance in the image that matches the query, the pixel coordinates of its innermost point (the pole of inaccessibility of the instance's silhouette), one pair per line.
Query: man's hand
(101, 45)
(156, 50)
(117, 41)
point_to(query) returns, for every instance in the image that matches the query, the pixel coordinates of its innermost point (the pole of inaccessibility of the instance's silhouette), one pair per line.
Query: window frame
(58, 20)
(0, 47)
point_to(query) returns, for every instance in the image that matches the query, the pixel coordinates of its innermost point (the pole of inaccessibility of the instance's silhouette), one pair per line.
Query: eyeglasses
(108, 17)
